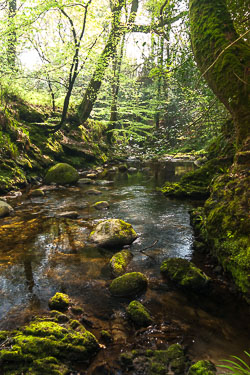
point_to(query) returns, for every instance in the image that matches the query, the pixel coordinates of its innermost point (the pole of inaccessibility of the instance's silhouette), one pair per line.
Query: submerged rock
(69, 214)
(5, 209)
(59, 302)
(113, 232)
(139, 314)
(129, 284)
(202, 368)
(102, 205)
(62, 174)
(85, 181)
(184, 273)
(93, 192)
(36, 193)
(119, 262)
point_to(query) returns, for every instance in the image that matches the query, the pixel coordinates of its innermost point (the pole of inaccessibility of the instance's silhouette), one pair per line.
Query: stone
(119, 261)
(202, 368)
(69, 214)
(61, 174)
(36, 193)
(93, 192)
(85, 181)
(47, 347)
(132, 170)
(104, 182)
(102, 205)
(59, 302)
(122, 168)
(113, 232)
(5, 209)
(128, 284)
(139, 314)
(184, 273)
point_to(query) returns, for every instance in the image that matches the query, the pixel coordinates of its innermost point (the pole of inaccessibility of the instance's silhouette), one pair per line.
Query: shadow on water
(43, 253)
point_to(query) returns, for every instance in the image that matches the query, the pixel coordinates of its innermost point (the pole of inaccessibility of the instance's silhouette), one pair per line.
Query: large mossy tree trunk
(223, 58)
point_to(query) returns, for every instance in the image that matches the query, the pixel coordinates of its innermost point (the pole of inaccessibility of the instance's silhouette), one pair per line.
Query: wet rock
(59, 301)
(46, 347)
(132, 170)
(113, 232)
(128, 285)
(91, 175)
(69, 214)
(119, 261)
(62, 174)
(102, 205)
(85, 181)
(36, 193)
(59, 317)
(184, 273)
(106, 336)
(93, 192)
(122, 168)
(5, 209)
(202, 368)
(139, 314)
(104, 182)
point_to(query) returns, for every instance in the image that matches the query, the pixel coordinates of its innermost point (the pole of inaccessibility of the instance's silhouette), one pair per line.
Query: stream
(43, 253)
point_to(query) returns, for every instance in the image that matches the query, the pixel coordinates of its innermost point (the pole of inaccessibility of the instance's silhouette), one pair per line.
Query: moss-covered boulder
(113, 232)
(61, 174)
(202, 368)
(36, 193)
(59, 302)
(184, 273)
(139, 314)
(46, 347)
(5, 209)
(119, 261)
(129, 284)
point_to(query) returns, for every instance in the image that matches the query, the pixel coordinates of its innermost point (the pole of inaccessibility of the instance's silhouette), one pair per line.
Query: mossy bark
(223, 58)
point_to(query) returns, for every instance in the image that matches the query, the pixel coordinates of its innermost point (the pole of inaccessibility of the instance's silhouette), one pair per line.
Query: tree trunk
(92, 90)
(12, 35)
(223, 58)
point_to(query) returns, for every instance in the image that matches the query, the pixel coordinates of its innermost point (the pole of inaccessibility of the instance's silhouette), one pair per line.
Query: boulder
(102, 205)
(128, 285)
(113, 232)
(184, 273)
(202, 368)
(139, 314)
(59, 302)
(119, 262)
(62, 174)
(5, 209)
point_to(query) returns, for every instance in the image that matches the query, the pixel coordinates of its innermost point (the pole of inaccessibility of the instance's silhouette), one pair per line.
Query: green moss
(184, 273)
(106, 336)
(59, 301)
(61, 174)
(128, 284)
(119, 262)
(157, 369)
(202, 368)
(47, 344)
(195, 184)
(139, 314)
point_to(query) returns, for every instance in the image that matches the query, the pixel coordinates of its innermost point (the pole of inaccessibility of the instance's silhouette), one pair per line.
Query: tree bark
(12, 35)
(223, 58)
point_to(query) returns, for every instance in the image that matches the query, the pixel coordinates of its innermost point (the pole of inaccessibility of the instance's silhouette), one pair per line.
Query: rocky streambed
(161, 327)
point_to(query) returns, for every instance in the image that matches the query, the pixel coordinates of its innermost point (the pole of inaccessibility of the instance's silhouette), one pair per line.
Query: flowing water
(43, 253)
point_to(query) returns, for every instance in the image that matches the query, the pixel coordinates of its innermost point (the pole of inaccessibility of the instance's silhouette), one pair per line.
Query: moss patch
(184, 273)
(139, 314)
(202, 368)
(119, 262)
(59, 301)
(128, 284)
(61, 174)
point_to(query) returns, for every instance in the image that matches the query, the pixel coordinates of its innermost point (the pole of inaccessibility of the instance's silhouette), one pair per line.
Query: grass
(237, 366)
